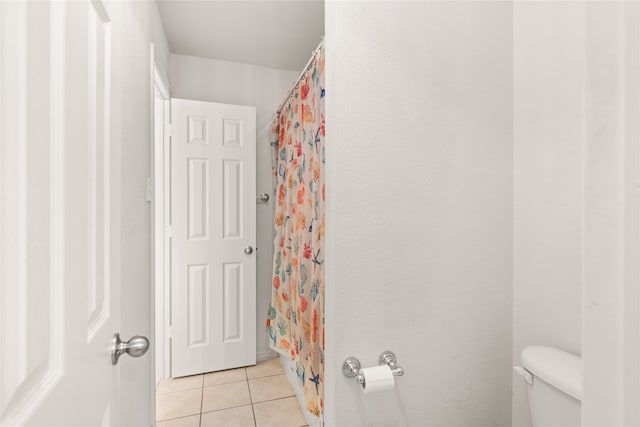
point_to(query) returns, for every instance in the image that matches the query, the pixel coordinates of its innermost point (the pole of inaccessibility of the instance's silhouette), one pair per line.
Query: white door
(213, 198)
(59, 228)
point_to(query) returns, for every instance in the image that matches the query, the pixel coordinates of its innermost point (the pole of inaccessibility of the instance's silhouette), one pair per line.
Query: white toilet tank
(554, 386)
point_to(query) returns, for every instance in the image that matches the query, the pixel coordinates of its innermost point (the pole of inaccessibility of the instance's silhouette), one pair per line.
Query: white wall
(235, 83)
(549, 114)
(576, 220)
(141, 25)
(419, 201)
(611, 292)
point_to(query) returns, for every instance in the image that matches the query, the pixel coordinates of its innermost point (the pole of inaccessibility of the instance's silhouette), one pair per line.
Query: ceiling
(270, 33)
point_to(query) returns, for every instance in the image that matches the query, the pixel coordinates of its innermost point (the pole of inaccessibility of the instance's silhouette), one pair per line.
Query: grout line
(246, 379)
(224, 409)
(255, 422)
(267, 376)
(214, 385)
(201, 402)
(174, 379)
(175, 418)
(279, 398)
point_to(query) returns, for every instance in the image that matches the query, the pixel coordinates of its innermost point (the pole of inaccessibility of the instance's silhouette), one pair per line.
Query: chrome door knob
(248, 250)
(135, 347)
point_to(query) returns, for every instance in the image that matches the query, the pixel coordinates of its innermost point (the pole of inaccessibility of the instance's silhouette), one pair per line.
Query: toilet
(554, 386)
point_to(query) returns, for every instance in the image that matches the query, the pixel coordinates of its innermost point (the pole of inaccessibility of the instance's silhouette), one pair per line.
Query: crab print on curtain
(296, 314)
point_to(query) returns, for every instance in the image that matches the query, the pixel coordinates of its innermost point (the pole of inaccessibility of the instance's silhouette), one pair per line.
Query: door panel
(213, 221)
(31, 308)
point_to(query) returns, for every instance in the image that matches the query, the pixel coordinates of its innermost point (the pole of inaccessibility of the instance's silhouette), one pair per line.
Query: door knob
(248, 250)
(135, 347)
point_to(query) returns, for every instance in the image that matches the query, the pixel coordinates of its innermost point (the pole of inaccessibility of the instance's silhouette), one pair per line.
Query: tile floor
(256, 396)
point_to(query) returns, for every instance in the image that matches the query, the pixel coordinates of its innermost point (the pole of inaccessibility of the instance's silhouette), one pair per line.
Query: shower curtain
(296, 314)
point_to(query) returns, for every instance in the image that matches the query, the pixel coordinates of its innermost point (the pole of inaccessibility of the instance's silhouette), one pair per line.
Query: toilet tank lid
(556, 367)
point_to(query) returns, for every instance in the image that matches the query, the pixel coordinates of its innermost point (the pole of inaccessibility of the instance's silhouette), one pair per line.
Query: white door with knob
(60, 293)
(213, 235)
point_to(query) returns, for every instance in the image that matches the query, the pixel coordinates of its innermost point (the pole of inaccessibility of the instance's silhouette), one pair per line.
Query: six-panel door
(213, 224)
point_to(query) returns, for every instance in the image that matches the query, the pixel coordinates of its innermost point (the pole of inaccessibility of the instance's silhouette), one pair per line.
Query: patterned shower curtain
(296, 314)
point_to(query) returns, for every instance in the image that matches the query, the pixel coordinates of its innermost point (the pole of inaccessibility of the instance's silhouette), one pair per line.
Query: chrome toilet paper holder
(351, 366)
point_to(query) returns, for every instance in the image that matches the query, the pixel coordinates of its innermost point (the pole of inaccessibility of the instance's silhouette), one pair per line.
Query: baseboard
(266, 355)
(312, 420)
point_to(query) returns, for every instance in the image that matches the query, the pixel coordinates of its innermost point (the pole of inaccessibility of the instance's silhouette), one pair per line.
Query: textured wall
(419, 203)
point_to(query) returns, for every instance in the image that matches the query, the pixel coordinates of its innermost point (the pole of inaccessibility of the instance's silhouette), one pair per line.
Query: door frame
(160, 232)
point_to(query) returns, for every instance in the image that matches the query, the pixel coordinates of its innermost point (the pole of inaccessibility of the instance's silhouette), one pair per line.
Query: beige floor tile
(178, 404)
(269, 388)
(178, 384)
(265, 368)
(241, 416)
(279, 413)
(193, 421)
(223, 377)
(225, 396)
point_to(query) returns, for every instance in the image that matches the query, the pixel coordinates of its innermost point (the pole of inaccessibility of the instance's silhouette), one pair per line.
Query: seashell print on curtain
(296, 314)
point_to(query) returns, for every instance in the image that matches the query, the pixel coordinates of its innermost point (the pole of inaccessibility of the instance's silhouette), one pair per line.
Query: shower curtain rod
(304, 70)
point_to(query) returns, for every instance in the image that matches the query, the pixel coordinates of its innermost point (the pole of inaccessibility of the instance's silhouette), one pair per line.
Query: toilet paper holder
(351, 366)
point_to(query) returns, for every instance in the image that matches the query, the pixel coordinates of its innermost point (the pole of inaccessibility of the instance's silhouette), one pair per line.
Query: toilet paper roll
(377, 378)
